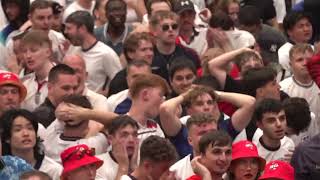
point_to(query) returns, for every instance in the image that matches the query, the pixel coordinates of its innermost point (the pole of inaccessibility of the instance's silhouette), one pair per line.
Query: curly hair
(157, 149)
(196, 92)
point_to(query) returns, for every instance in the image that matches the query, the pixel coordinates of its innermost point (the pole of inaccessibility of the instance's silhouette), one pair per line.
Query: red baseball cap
(246, 149)
(78, 156)
(8, 78)
(279, 170)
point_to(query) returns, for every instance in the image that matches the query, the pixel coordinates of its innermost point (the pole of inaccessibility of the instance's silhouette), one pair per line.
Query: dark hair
(291, 19)
(23, 5)
(249, 16)
(111, 1)
(6, 122)
(132, 41)
(82, 18)
(78, 100)
(121, 122)
(39, 4)
(59, 69)
(221, 20)
(180, 63)
(297, 113)
(265, 106)
(150, 2)
(34, 173)
(214, 138)
(200, 118)
(137, 63)
(209, 81)
(157, 149)
(256, 78)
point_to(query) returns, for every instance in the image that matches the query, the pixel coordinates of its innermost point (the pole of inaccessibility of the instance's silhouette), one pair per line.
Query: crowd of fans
(159, 89)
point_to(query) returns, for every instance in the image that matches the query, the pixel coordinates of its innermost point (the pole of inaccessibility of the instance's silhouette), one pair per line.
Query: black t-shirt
(118, 83)
(265, 7)
(161, 63)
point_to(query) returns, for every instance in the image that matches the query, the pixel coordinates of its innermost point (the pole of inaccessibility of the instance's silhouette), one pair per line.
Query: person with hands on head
(73, 131)
(202, 99)
(147, 93)
(217, 66)
(122, 159)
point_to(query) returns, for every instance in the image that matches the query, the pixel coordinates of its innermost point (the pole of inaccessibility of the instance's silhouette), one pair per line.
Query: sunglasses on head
(166, 27)
(79, 154)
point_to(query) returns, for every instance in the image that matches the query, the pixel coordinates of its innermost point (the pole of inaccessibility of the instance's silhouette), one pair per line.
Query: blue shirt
(13, 167)
(180, 141)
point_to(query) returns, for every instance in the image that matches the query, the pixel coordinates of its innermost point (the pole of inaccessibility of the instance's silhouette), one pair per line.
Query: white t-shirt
(54, 145)
(280, 6)
(125, 177)
(3, 19)
(309, 92)
(75, 6)
(183, 168)
(240, 39)
(102, 63)
(283, 55)
(109, 169)
(52, 168)
(97, 100)
(199, 42)
(269, 155)
(34, 97)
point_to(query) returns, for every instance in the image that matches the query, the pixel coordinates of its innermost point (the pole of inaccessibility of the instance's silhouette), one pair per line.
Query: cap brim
(262, 162)
(82, 162)
(185, 9)
(22, 88)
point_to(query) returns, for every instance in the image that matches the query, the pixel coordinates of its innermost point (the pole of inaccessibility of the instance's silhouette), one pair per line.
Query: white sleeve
(111, 63)
(125, 177)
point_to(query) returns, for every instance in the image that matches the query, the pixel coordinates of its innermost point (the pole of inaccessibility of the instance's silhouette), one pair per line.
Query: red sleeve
(314, 68)
(194, 177)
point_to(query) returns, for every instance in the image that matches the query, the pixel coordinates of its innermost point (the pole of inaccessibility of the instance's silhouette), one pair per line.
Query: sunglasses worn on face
(166, 27)
(79, 153)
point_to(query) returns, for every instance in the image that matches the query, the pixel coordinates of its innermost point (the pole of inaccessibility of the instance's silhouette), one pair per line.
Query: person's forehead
(134, 70)
(183, 71)
(8, 86)
(167, 20)
(127, 128)
(302, 20)
(43, 11)
(115, 5)
(273, 114)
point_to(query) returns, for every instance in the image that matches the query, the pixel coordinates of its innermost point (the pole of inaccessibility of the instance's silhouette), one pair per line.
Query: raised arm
(67, 112)
(245, 103)
(169, 117)
(217, 66)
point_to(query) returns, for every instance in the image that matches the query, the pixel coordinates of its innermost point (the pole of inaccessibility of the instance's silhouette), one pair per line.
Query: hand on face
(69, 112)
(119, 151)
(198, 168)
(168, 175)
